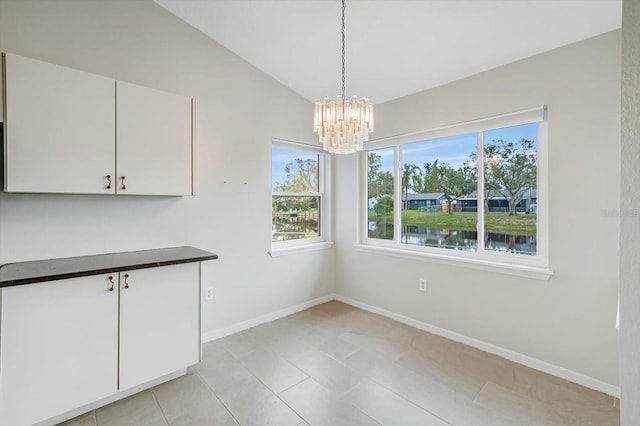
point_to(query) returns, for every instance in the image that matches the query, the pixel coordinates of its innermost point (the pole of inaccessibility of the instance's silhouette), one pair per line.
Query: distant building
(498, 201)
(427, 201)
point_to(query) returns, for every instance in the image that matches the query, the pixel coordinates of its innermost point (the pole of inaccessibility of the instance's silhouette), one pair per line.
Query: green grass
(521, 224)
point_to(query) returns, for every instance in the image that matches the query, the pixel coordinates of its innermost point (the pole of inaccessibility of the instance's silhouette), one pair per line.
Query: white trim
(514, 356)
(303, 248)
(546, 367)
(325, 184)
(244, 325)
(110, 399)
(283, 143)
(536, 266)
(527, 271)
(531, 115)
(194, 128)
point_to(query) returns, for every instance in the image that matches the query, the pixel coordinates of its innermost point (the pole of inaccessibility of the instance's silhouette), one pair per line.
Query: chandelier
(342, 125)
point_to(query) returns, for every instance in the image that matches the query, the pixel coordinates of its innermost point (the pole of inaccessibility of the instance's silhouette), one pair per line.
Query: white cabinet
(159, 322)
(60, 128)
(59, 346)
(154, 134)
(69, 343)
(69, 131)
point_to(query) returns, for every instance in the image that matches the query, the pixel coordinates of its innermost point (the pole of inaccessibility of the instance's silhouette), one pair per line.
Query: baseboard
(110, 399)
(244, 325)
(514, 356)
(537, 364)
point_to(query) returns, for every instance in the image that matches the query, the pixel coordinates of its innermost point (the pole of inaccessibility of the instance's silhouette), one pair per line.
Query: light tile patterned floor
(338, 365)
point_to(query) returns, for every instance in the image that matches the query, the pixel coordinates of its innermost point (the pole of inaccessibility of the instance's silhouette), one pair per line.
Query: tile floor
(337, 365)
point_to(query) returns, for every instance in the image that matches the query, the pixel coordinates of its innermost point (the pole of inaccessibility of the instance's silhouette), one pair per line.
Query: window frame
(535, 266)
(324, 240)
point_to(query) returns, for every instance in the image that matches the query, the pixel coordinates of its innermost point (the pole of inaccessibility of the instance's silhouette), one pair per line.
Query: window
(298, 203)
(468, 192)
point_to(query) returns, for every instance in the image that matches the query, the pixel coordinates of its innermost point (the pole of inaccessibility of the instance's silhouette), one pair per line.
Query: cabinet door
(58, 348)
(60, 128)
(154, 140)
(159, 322)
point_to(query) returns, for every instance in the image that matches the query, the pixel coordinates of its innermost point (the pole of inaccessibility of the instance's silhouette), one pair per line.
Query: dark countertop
(20, 273)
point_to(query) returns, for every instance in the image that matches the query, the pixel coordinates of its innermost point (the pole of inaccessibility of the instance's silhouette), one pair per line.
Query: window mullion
(481, 192)
(297, 194)
(397, 199)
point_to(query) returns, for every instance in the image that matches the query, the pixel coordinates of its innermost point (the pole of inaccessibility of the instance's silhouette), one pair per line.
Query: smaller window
(298, 211)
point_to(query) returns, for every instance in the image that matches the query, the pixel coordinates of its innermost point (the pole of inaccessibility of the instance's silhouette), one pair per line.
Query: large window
(468, 191)
(298, 210)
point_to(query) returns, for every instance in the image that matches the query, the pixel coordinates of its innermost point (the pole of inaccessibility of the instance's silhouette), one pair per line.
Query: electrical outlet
(422, 285)
(208, 293)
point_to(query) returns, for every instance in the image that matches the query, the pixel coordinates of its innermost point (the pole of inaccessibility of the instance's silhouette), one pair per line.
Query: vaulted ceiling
(394, 47)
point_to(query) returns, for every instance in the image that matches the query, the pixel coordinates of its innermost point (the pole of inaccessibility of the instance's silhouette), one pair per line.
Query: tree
(431, 179)
(455, 183)
(378, 183)
(511, 167)
(411, 178)
(490, 185)
(300, 176)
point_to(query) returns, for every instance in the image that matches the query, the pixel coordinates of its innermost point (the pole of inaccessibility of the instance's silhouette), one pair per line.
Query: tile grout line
(164, 417)
(213, 392)
(268, 388)
(473, 401)
(338, 399)
(277, 395)
(407, 400)
(293, 385)
(367, 377)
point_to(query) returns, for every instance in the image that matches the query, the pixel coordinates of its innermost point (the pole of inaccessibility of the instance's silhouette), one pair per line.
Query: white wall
(630, 217)
(568, 321)
(239, 110)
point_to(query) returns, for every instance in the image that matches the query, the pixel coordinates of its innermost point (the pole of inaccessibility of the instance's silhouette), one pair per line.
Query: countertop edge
(128, 263)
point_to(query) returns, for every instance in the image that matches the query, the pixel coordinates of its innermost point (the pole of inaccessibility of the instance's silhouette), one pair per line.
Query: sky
(280, 157)
(453, 150)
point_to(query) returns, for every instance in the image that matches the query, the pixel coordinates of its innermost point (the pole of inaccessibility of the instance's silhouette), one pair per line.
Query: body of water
(468, 240)
(293, 226)
(456, 239)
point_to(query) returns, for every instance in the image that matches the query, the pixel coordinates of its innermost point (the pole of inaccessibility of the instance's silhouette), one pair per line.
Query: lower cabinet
(68, 343)
(159, 322)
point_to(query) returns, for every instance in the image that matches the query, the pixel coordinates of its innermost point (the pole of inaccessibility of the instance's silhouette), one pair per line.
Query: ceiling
(394, 47)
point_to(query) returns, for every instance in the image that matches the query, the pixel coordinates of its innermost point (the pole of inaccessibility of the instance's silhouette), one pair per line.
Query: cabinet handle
(123, 185)
(111, 282)
(126, 284)
(108, 181)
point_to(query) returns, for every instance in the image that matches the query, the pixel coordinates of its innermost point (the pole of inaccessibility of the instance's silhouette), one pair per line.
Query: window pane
(439, 184)
(295, 217)
(380, 193)
(511, 189)
(293, 170)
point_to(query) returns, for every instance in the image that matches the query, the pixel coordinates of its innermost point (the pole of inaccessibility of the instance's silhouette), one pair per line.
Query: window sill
(285, 251)
(527, 271)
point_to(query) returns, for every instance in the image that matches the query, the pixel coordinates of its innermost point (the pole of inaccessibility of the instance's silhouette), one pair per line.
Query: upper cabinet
(154, 134)
(59, 129)
(69, 131)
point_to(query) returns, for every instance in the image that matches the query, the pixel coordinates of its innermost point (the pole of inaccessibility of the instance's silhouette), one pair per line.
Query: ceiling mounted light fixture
(343, 126)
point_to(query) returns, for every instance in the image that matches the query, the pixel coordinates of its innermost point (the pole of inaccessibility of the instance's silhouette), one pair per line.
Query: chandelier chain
(343, 50)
